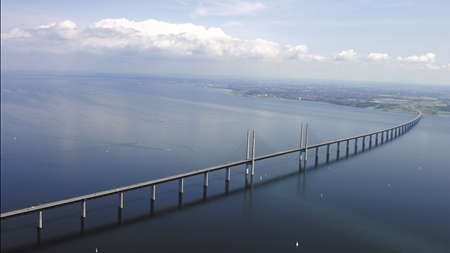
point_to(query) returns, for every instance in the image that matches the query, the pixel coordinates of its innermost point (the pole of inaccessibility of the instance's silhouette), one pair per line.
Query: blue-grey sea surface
(66, 136)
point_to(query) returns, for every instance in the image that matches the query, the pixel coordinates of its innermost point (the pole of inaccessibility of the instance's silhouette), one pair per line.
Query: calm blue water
(67, 136)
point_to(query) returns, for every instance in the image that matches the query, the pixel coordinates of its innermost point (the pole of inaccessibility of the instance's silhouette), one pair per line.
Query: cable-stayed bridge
(244, 152)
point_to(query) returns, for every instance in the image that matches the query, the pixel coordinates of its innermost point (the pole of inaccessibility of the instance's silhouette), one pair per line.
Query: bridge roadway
(399, 129)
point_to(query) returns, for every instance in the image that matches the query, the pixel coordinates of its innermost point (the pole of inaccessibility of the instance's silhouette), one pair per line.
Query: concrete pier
(348, 148)
(181, 185)
(39, 225)
(83, 209)
(328, 153)
(121, 200)
(338, 150)
(205, 179)
(153, 192)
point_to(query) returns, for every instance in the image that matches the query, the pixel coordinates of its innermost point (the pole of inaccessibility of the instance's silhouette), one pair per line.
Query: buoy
(389, 185)
(96, 250)
(296, 244)
(321, 195)
(260, 177)
(419, 167)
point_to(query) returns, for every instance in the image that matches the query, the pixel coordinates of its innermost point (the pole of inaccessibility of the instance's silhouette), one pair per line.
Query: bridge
(374, 138)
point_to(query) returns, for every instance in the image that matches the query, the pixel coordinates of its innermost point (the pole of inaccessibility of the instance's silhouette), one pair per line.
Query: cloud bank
(151, 37)
(156, 38)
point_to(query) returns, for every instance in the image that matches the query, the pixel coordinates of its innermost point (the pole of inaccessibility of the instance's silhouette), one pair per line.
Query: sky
(384, 41)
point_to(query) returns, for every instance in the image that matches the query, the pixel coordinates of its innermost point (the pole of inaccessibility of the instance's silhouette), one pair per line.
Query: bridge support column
(328, 153)
(121, 200)
(206, 179)
(152, 199)
(382, 137)
(83, 209)
(376, 139)
(338, 150)
(228, 174)
(348, 148)
(317, 156)
(392, 134)
(364, 143)
(181, 185)
(39, 225)
(153, 192)
(370, 141)
(356, 145)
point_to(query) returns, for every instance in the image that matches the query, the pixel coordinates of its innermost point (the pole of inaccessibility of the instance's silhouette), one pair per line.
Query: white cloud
(378, 57)
(16, 33)
(153, 37)
(346, 55)
(427, 58)
(230, 8)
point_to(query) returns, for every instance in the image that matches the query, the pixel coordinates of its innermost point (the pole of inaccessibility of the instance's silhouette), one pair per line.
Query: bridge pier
(370, 141)
(338, 150)
(39, 225)
(356, 145)
(348, 148)
(181, 185)
(205, 179)
(153, 192)
(328, 153)
(180, 192)
(382, 137)
(121, 200)
(364, 143)
(376, 139)
(83, 209)
(317, 156)
(228, 174)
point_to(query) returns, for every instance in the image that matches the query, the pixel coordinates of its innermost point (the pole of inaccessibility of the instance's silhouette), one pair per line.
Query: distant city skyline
(385, 41)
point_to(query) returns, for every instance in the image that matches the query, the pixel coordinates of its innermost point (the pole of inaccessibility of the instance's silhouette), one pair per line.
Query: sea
(64, 136)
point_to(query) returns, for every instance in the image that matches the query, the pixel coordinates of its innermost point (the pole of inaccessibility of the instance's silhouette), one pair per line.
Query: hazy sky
(392, 40)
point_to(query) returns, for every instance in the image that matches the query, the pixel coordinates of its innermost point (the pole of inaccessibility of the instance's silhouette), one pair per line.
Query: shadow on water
(251, 183)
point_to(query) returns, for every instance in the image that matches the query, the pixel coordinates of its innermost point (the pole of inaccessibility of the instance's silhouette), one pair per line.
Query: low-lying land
(429, 99)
